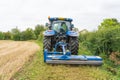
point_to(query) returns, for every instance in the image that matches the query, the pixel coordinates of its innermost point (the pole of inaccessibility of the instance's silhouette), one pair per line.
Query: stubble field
(13, 55)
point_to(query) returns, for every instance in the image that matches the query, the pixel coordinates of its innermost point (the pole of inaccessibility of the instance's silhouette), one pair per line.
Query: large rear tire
(47, 43)
(73, 45)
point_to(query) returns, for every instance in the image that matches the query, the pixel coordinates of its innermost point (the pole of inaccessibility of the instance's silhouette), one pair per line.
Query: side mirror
(46, 24)
(72, 26)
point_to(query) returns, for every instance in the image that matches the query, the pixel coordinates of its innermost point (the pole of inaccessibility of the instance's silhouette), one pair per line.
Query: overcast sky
(86, 14)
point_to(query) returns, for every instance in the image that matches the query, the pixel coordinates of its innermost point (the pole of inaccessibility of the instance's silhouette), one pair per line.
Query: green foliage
(15, 32)
(23, 36)
(38, 30)
(40, 36)
(108, 24)
(29, 34)
(1, 36)
(7, 35)
(104, 40)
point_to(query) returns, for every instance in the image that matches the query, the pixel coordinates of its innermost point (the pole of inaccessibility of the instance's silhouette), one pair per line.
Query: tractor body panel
(49, 33)
(72, 33)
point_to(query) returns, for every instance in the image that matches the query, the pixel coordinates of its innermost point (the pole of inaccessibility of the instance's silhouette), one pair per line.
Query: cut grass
(36, 69)
(13, 55)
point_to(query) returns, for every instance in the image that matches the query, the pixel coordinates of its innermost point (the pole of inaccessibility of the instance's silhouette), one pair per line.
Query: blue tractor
(60, 30)
(61, 44)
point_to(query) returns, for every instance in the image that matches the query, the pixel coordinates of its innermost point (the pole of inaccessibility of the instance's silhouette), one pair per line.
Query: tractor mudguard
(72, 33)
(49, 33)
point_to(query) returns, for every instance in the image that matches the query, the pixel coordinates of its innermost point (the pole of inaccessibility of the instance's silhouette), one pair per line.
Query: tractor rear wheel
(73, 45)
(47, 43)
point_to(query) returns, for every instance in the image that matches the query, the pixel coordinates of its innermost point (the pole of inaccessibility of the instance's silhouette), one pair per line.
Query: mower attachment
(65, 57)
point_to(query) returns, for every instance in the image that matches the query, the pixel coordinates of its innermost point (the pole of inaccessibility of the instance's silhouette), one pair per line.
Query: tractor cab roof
(59, 18)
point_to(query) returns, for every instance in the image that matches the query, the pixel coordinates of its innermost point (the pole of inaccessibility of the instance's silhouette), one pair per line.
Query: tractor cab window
(60, 25)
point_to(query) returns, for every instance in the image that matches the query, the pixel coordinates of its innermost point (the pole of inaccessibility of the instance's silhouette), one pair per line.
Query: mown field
(13, 55)
(36, 69)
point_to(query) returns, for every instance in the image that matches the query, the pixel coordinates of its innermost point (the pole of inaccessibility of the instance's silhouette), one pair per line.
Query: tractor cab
(60, 24)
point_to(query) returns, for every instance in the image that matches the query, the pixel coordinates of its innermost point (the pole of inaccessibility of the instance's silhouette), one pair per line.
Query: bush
(1, 36)
(28, 34)
(40, 36)
(15, 33)
(7, 35)
(104, 40)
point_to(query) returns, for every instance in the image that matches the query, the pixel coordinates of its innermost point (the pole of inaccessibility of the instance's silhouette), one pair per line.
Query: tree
(28, 34)
(7, 35)
(1, 35)
(38, 29)
(15, 34)
(108, 24)
(23, 36)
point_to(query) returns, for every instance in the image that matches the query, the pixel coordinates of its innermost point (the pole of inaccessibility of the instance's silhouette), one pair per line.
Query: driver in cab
(64, 26)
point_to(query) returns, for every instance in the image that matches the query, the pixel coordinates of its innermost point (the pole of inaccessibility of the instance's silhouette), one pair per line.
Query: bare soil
(13, 55)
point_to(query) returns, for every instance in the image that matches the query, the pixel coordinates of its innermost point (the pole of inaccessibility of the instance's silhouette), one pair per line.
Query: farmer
(64, 26)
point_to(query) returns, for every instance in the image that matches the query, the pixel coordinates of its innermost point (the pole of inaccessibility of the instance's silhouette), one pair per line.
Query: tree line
(28, 34)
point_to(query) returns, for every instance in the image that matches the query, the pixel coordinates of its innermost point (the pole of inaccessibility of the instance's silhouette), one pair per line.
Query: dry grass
(114, 57)
(13, 55)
